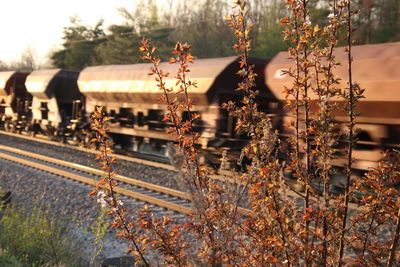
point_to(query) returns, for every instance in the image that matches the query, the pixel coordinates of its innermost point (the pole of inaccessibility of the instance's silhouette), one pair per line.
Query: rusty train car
(55, 93)
(40, 101)
(375, 68)
(131, 99)
(15, 101)
(63, 100)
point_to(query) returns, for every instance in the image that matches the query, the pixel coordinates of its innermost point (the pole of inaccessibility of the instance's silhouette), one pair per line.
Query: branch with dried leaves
(280, 232)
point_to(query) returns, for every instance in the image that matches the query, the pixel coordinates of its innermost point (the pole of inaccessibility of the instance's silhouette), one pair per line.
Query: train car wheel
(13, 128)
(7, 126)
(62, 139)
(87, 139)
(75, 139)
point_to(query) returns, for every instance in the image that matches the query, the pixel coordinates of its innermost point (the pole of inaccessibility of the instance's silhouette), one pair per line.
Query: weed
(36, 238)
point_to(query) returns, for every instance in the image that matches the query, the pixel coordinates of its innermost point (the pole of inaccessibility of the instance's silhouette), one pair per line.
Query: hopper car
(61, 102)
(131, 100)
(54, 96)
(376, 68)
(15, 101)
(43, 101)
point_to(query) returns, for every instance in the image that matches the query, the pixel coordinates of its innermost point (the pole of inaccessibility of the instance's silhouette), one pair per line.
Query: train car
(14, 100)
(131, 98)
(375, 68)
(55, 93)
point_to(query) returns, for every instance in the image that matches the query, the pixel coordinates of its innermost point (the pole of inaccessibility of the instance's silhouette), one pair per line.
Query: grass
(7, 260)
(36, 238)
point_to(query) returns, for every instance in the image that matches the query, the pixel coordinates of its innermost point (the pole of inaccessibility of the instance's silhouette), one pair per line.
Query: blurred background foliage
(202, 24)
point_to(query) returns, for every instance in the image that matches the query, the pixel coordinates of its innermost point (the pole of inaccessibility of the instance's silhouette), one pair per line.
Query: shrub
(7, 260)
(36, 238)
(313, 229)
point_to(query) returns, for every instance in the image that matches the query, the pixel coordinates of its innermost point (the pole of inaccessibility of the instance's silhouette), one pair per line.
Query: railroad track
(157, 195)
(154, 194)
(141, 158)
(294, 192)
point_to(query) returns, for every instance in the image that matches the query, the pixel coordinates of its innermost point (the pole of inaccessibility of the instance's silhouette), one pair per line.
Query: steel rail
(92, 151)
(159, 202)
(90, 170)
(363, 164)
(223, 178)
(120, 178)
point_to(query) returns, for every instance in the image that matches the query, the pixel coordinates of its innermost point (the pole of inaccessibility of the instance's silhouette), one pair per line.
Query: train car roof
(135, 84)
(12, 83)
(43, 84)
(4, 78)
(375, 67)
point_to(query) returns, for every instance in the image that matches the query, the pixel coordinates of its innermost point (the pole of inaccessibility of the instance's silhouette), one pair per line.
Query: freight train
(58, 102)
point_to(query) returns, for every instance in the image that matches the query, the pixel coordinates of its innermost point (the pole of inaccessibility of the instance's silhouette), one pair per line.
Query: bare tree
(28, 61)
(4, 66)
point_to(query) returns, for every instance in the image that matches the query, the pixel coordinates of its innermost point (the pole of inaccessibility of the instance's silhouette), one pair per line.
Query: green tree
(267, 35)
(146, 22)
(378, 21)
(270, 39)
(208, 32)
(388, 26)
(144, 17)
(120, 46)
(79, 45)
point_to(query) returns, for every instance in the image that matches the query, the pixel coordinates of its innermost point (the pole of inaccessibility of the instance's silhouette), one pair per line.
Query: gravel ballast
(68, 199)
(134, 170)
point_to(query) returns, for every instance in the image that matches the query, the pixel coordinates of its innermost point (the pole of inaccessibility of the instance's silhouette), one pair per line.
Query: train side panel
(54, 92)
(375, 68)
(14, 100)
(131, 98)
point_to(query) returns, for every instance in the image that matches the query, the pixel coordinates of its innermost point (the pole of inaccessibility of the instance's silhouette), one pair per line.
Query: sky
(38, 24)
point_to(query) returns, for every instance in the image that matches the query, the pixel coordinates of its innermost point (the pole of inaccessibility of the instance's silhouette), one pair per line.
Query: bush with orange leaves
(283, 228)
